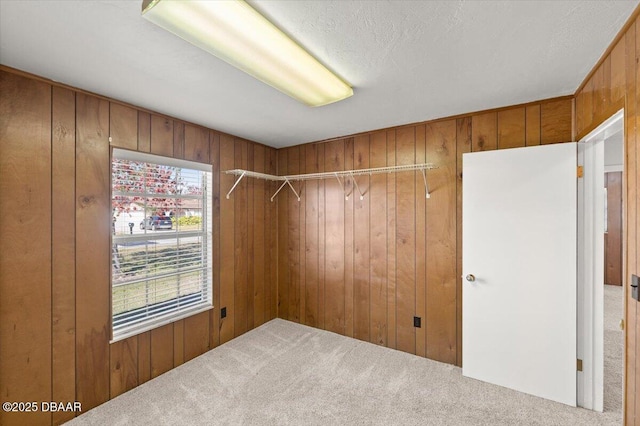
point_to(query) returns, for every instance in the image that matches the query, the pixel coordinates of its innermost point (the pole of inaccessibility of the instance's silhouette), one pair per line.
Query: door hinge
(579, 365)
(580, 171)
(621, 324)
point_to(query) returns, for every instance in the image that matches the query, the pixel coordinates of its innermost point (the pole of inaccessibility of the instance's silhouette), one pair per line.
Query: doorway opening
(613, 341)
(600, 293)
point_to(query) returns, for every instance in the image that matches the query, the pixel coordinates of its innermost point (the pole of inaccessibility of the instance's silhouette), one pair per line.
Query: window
(161, 242)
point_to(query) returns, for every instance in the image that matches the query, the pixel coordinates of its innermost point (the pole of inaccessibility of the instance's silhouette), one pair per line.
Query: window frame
(145, 324)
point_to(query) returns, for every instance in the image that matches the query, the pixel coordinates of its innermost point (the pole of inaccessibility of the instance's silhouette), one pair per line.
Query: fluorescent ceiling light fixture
(236, 33)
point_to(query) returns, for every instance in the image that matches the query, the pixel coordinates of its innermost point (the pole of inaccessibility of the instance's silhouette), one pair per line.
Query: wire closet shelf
(341, 177)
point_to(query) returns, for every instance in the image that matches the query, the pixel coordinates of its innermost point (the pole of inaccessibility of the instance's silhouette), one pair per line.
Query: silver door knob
(470, 277)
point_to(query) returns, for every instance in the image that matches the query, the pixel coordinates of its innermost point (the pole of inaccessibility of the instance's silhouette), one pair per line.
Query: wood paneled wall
(55, 255)
(614, 83)
(361, 268)
(365, 268)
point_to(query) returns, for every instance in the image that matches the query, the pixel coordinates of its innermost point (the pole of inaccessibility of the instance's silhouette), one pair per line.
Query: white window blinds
(161, 242)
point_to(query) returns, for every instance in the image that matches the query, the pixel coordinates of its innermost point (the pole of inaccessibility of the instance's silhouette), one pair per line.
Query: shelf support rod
(281, 186)
(426, 187)
(346, 196)
(353, 178)
(286, 182)
(292, 188)
(236, 184)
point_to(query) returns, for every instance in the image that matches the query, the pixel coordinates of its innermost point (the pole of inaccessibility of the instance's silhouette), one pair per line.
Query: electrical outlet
(417, 322)
(223, 313)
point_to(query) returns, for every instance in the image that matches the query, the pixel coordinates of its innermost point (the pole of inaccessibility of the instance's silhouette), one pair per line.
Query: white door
(519, 242)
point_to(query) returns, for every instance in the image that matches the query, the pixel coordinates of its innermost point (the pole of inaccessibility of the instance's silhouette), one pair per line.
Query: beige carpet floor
(284, 373)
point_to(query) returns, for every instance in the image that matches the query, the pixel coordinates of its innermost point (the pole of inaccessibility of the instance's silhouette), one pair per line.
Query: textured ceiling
(408, 61)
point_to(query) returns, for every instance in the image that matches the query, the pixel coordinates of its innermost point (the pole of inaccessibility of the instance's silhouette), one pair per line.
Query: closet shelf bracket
(236, 184)
(426, 187)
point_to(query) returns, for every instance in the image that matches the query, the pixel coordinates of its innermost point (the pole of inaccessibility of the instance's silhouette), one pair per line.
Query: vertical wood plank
(260, 278)
(269, 225)
(463, 145)
(178, 139)
(484, 131)
(123, 125)
(606, 89)
(405, 242)
(283, 239)
(214, 139)
(196, 144)
(272, 242)
(334, 241)
(162, 352)
(25, 245)
(178, 343)
(617, 72)
(511, 128)
(161, 136)
(441, 240)
(63, 290)
(391, 242)
(587, 102)
(241, 263)
(270, 228)
(421, 246)
(144, 131)
(302, 157)
(348, 240)
(311, 238)
(196, 335)
(555, 119)
(124, 366)
(250, 235)
(93, 214)
(144, 357)
(378, 239)
(227, 238)
(598, 91)
(361, 266)
(293, 237)
(532, 126)
(321, 241)
(580, 112)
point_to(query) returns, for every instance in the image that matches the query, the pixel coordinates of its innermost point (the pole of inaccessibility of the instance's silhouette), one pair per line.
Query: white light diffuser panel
(236, 33)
